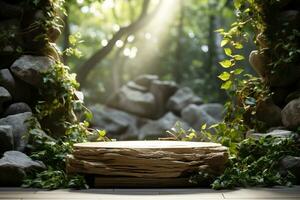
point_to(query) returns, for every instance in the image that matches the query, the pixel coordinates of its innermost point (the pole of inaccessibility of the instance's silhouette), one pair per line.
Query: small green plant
(256, 163)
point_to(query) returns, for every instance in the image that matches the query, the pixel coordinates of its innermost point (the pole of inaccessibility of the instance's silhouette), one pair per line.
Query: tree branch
(97, 57)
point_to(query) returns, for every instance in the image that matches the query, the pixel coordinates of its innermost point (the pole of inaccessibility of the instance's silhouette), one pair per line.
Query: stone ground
(277, 193)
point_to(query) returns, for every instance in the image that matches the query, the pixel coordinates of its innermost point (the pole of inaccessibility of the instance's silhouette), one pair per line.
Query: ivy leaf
(228, 51)
(226, 63)
(224, 42)
(238, 45)
(238, 57)
(238, 71)
(224, 76)
(219, 30)
(227, 85)
(250, 101)
(72, 39)
(237, 4)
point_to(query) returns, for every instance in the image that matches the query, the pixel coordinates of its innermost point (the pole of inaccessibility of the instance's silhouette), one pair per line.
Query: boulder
(162, 91)
(7, 80)
(4, 97)
(134, 86)
(291, 114)
(265, 110)
(182, 98)
(19, 90)
(17, 108)
(115, 122)
(133, 101)
(196, 116)
(215, 110)
(258, 61)
(20, 126)
(30, 69)
(146, 80)
(293, 95)
(6, 139)
(157, 128)
(290, 164)
(14, 166)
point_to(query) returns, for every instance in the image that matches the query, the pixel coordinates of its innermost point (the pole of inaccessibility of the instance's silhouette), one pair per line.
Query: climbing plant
(253, 162)
(59, 112)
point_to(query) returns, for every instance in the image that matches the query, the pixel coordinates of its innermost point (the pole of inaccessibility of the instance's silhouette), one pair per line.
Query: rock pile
(279, 69)
(26, 52)
(146, 107)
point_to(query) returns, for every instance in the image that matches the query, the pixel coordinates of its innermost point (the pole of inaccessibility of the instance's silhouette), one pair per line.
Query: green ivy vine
(253, 162)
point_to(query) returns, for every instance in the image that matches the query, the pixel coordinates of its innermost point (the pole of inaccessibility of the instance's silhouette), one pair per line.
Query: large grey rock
(7, 80)
(116, 123)
(30, 68)
(19, 128)
(134, 86)
(133, 101)
(196, 115)
(19, 90)
(290, 164)
(157, 128)
(146, 80)
(291, 114)
(17, 108)
(6, 139)
(162, 91)
(182, 98)
(14, 166)
(269, 113)
(215, 110)
(4, 97)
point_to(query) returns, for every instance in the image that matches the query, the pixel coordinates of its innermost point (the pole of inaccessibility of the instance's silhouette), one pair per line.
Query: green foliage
(53, 179)
(256, 163)
(253, 162)
(58, 92)
(74, 41)
(178, 133)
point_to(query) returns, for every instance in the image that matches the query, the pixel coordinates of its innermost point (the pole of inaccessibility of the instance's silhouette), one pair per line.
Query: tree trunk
(177, 68)
(66, 33)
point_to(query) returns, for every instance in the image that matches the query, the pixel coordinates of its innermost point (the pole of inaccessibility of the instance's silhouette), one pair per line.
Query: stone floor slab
(276, 193)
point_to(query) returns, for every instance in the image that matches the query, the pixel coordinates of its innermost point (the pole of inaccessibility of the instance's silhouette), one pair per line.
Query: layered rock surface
(147, 159)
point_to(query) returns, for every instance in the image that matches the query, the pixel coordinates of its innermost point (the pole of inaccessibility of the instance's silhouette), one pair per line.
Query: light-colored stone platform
(276, 193)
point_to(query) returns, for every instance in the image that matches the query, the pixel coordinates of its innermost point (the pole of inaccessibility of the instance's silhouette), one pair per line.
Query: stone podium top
(147, 144)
